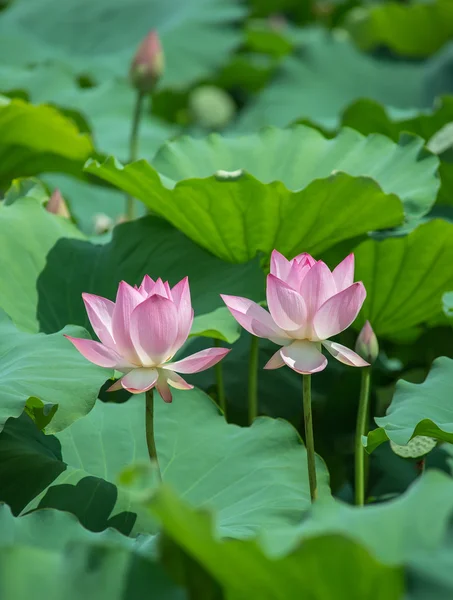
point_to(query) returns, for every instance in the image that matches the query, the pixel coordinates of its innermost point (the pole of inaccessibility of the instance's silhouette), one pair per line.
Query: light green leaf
(218, 324)
(405, 277)
(237, 217)
(48, 554)
(35, 139)
(414, 30)
(26, 188)
(200, 455)
(327, 75)
(49, 369)
(99, 39)
(404, 168)
(27, 234)
(320, 568)
(419, 409)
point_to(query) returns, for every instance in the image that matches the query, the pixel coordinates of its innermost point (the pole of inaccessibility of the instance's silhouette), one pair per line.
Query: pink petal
(303, 357)
(164, 389)
(343, 274)
(147, 285)
(100, 311)
(139, 380)
(161, 289)
(177, 381)
(170, 377)
(297, 274)
(181, 297)
(280, 266)
(339, 311)
(254, 319)
(305, 259)
(127, 298)
(344, 354)
(316, 287)
(116, 386)
(153, 329)
(200, 361)
(96, 352)
(287, 307)
(275, 362)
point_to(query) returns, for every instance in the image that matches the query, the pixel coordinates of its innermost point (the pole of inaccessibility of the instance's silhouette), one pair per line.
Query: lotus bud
(57, 205)
(148, 64)
(367, 345)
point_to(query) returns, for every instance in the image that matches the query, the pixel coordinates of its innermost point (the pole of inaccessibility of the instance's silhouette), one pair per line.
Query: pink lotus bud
(57, 205)
(308, 303)
(148, 64)
(141, 332)
(367, 345)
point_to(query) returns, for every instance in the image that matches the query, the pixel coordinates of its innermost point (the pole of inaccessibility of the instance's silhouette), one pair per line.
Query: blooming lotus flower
(308, 304)
(141, 332)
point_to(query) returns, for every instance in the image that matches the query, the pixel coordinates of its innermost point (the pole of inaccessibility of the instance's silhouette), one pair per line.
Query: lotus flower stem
(133, 148)
(309, 438)
(362, 417)
(221, 398)
(253, 380)
(150, 441)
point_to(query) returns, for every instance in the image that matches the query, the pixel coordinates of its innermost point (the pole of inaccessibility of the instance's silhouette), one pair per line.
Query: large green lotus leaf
(405, 277)
(48, 369)
(411, 532)
(299, 155)
(147, 245)
(414, 30)
(237, 217)
(100, 38)
(218, 324)
(27, 234)
(48, 554)
(200, 455)
(328, 74)
(41, 83)
(35, 139)
(368, 116)
(395, 532)
(419, 409)
(320, 568)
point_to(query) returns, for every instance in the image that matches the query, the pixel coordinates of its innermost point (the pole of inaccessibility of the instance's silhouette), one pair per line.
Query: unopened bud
(367, 345)
(148, 64)
(57, 205)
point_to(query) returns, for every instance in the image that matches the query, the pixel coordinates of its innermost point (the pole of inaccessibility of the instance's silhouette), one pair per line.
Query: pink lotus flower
(141, 332)
(308, 304)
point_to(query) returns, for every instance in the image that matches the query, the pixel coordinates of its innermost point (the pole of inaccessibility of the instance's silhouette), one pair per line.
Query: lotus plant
(139, 335)
(308, 304)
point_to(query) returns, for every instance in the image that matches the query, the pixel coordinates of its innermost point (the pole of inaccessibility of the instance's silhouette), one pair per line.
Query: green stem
(253, 380)
(361, 430)
(221, 398)
(133, 148)
(150, 441)
(309, 438)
